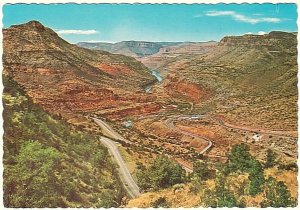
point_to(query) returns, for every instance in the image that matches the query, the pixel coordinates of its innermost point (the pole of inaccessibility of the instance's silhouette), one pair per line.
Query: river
(158, 78)
(157, 75)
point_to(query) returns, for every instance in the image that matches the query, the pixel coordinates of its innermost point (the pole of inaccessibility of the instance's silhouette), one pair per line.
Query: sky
(154, 22)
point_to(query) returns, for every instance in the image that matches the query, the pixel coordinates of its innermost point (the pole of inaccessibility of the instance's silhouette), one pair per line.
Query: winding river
(158, 77)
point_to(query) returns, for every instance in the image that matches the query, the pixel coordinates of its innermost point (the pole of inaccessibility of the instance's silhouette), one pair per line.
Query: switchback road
(112, 133)
(256, 130)
(109, 130)
(170, 124)
(129, 184)
(125, 176)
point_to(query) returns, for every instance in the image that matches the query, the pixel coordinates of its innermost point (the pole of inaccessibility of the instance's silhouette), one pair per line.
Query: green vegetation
(235, 182)
(271, 156)
(240, 160)
(31, 181)
(48, 163)
(277, 195)
(201, 170)
(229, 193)
(220, 197)
(256, 177)
(289, 167)
(161, 173)
(161, 202)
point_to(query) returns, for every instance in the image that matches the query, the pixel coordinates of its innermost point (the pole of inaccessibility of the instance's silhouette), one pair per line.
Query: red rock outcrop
(63, 77)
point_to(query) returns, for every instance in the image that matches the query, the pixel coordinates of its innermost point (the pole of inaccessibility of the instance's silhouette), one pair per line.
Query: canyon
(187, 100)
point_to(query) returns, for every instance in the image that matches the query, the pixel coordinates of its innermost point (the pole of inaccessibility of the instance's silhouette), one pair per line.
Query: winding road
(255, 130)
(125, 176)
(108, 130)
(170, 124)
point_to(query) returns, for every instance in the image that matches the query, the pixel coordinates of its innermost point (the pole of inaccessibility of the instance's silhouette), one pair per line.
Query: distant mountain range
(130, 48)
(135, 48)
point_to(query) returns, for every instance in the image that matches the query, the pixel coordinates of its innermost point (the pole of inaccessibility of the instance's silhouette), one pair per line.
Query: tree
(34, 176)
(277, 195)
(177, 174)
(227, 200)
(100, 158)
(106, 200)
(161, 173)
(219, 197)
(201, 170)
(161, 202)
(210, 198)
(256, 176)
(239, 158)
(143, 177)
(270, 161)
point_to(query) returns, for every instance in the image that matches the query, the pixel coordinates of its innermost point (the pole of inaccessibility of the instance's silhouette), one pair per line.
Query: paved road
(125, 176)
(170, 124)
(262, 131)
(129, 184)
(109, 130)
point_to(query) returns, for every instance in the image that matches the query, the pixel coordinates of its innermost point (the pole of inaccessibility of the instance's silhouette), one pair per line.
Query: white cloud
(261, 33)
(242, 18)
(80, 32)
(219, 13)
(258, 33)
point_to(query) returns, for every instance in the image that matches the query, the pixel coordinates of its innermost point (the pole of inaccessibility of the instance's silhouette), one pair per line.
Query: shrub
(241, 160)
(161, 202)
(201, 170)
(270, 161)
(34, 176)
(256, 176)
(161, 173)
(277, 195)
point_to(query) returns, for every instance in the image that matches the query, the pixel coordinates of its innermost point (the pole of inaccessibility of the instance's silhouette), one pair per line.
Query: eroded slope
(64, 78)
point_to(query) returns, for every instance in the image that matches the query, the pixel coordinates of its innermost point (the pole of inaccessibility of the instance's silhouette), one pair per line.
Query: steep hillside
(252, 79)
(261, 74)
(65, 78)
(129, 48)
(48, 163)
(33, 44)
(242, 181)
(213, 97)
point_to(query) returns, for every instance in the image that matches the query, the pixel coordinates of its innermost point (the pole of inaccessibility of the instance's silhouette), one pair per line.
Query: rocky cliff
(276, 40)
(129, 48)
